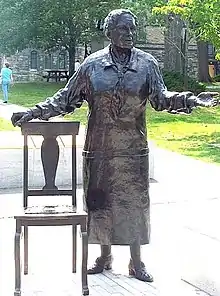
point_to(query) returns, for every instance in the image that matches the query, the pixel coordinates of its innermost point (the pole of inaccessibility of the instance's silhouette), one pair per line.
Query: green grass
(5, 125)
(28, 94)
(215, 86)
(187, 134)
(190, 135)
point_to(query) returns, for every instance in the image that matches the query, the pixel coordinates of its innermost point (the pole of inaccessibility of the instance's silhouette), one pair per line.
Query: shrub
(175, 82)
(216, 78)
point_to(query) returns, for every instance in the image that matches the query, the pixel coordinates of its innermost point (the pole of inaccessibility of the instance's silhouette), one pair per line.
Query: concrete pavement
(185, 226)
(50, 249)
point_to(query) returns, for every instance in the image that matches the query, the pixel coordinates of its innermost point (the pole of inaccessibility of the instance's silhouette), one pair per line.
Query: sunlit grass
(191, 135)
(5, 125)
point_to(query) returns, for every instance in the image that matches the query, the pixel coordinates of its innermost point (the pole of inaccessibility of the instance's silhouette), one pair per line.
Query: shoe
(140, 273)
(101, 263)
(5, 102)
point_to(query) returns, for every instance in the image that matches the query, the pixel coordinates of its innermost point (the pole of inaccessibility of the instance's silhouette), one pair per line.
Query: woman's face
(124, 33)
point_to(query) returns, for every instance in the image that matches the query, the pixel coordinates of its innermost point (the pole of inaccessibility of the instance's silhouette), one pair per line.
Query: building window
(62, 60)
(34, 59)
(48, 61)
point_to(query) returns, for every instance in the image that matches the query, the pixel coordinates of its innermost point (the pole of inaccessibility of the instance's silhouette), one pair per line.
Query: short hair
(7, 65)
(111, 19)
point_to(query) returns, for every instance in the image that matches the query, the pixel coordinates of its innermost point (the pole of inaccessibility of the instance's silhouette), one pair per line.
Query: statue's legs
(102, 262)
(136, 266)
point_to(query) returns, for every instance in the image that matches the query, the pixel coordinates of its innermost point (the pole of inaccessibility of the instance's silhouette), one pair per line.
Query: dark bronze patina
(117, 82)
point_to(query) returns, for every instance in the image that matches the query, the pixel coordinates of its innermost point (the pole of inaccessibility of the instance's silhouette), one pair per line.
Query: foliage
(49, 24)
(175, 82)
(143, 9)
(58, 24)
(202, 15)
(217, 78)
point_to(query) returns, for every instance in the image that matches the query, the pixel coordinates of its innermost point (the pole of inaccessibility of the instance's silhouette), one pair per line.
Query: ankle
(106, 257)
(135, 264)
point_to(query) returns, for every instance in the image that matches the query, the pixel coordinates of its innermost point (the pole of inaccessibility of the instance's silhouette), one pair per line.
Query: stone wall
(31, 64)
(155, 46)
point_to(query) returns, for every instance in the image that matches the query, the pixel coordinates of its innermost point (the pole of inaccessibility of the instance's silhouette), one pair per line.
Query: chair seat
(59, 212)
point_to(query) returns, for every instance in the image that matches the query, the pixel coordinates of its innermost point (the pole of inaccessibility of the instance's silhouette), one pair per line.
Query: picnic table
(57, 75)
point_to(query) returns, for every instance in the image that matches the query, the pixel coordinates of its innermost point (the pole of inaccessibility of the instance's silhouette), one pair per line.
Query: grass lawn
(6, 125)
(28, 94)
(187, 134)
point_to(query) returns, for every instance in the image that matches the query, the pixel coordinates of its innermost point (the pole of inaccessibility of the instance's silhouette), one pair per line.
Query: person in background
(7, 79)
(77, 65)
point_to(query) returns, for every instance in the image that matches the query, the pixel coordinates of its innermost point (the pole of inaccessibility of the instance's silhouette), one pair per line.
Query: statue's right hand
(20, 117)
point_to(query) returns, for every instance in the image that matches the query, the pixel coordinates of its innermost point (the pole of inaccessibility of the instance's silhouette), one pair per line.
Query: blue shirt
(6, 74)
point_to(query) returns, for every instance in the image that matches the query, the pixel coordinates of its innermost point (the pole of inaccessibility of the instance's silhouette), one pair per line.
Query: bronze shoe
(100, 264)
(140, 273)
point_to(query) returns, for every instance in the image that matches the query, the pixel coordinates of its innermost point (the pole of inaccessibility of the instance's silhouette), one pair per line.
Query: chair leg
(17, 258)
(74, 238)
(85, 289)
(25, 250)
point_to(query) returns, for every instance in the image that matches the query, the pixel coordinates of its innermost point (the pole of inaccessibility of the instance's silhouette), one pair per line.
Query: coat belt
(116, 153)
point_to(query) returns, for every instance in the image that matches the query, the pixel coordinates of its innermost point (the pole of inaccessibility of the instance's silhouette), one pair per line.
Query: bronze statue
(116, 82)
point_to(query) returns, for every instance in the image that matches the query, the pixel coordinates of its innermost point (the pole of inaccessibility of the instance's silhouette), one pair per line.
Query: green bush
(175, 82)
(216, 78)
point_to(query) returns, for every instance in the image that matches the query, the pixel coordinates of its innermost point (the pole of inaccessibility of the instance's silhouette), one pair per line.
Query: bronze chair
(50, 215)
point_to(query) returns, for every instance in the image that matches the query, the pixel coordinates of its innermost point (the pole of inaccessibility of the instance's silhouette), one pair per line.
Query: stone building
(153, 42)
(31, 64)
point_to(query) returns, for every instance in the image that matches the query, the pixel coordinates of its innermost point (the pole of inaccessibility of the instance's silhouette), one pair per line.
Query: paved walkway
(185, 228)
(50, 250)
(6, 110)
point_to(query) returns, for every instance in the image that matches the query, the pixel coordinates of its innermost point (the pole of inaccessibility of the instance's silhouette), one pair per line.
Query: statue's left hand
(184, 102)
(208, 99)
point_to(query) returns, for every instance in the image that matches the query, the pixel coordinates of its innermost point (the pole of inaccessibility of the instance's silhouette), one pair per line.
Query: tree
(143, 9)
(50, 24)
(202, 15)
(203, 61)
(203, 18)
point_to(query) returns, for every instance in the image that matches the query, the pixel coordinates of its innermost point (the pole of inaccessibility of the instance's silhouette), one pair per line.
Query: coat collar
(108, 62)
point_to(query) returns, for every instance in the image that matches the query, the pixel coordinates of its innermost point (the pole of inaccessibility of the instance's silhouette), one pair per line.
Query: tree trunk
(203, 61)
(172, 61)
(72, 52)
(184, 55)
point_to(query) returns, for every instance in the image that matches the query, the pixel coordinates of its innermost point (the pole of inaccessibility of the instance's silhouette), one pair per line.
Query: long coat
(116, 183)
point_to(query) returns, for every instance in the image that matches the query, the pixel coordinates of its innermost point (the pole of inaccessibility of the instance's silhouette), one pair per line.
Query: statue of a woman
(117, 82)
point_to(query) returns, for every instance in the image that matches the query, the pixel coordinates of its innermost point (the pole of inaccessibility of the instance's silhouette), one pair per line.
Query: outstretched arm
(64, 101)
(175, 102)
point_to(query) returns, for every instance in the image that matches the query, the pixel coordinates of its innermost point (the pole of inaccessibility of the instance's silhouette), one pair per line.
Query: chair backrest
(49, 156)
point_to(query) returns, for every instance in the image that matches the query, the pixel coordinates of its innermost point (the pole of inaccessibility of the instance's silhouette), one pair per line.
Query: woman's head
(120, 27)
